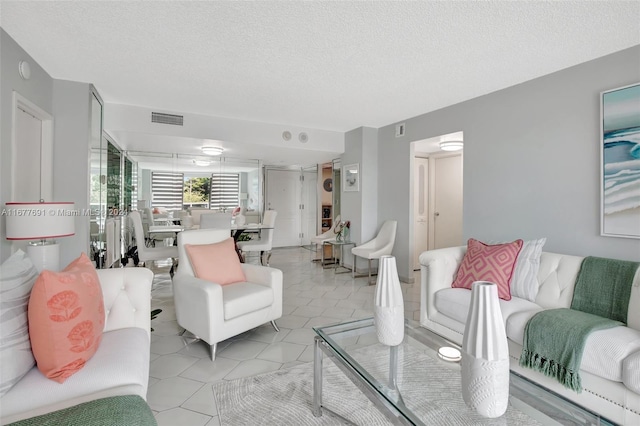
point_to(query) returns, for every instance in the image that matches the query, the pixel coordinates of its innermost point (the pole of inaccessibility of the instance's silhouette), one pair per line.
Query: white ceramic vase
(388, 310)
(240, 220)
(485, 354)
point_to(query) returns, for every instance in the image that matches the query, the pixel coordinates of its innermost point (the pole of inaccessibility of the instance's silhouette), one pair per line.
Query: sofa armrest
(199, 305)
(437, 272)
(127, 297)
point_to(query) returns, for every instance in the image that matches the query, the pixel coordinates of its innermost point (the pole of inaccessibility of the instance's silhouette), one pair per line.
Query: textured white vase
(485, 354)
(388, 309)
(240, 220)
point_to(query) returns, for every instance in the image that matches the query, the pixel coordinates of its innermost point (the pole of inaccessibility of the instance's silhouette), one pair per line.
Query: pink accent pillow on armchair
(216, 262)
(494, 263)
(66, 318)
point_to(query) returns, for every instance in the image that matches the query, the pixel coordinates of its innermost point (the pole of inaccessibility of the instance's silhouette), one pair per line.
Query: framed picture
(351, 177)
(620, 164)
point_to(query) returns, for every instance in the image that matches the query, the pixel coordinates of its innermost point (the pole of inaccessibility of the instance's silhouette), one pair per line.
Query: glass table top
(413, 380)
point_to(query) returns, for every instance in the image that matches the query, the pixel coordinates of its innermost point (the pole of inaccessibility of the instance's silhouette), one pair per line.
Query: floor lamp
(39, 223)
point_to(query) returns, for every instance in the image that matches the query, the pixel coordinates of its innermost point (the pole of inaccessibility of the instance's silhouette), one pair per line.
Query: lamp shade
(40, 221)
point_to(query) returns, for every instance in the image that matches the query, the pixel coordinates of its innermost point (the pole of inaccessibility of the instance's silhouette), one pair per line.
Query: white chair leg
(369, 282)
(213, 351)
(275, 326)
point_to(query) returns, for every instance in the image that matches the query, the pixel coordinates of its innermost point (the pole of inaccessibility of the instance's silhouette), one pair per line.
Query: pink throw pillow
(216, 262)
(66, 318)
(494, 263)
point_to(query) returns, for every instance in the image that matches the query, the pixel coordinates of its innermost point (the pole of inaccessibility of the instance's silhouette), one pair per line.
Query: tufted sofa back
(557, 277)
(127, 297)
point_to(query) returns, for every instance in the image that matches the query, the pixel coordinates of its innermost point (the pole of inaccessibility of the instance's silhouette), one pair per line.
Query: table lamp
(39, 223)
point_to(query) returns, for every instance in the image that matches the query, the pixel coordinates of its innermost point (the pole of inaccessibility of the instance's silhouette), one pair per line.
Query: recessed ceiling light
(451, 145)
(212, 150)
(202, 163)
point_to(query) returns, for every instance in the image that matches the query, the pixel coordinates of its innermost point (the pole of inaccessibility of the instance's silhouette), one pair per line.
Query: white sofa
(610, 368)
(119, 367)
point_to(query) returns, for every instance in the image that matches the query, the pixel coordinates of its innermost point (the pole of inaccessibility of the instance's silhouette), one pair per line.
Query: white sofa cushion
(604, 351)
(454, 303)
(243, 298)
(525, 276)
(119, 367)
(631, 372)
(17, 275)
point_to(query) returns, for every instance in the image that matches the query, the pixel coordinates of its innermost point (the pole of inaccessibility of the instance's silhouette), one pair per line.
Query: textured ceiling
(323, 65)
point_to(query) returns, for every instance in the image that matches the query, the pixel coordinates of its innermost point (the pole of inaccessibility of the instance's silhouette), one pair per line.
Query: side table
(340, 263)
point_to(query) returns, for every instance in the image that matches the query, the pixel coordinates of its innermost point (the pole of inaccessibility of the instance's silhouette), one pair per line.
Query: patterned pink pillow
(494, 263)
(217, 262)
(66, 318)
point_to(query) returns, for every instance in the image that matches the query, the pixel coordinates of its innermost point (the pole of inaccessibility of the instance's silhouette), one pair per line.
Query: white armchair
(215, 312)
(381, 245)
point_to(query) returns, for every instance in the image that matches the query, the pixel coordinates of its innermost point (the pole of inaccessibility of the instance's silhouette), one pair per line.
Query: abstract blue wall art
(620, 207)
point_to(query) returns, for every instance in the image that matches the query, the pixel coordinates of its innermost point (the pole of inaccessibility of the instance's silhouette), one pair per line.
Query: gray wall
(39, 90)
(531, 161)
(361, 147)
(71, 165)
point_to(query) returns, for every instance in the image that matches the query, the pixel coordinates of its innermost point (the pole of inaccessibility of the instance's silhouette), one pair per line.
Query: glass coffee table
(410, 384)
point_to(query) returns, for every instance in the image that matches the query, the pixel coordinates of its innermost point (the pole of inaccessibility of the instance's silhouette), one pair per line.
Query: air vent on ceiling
(158, 117)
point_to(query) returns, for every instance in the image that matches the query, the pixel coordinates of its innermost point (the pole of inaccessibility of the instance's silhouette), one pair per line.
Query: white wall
(39, 90)
(531, 161)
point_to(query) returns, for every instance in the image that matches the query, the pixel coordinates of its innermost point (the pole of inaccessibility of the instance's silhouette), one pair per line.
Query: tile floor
(181, 371)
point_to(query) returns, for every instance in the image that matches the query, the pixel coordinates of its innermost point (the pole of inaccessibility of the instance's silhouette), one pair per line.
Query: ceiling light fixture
(202, 163)
(451, 145)
(212, 150)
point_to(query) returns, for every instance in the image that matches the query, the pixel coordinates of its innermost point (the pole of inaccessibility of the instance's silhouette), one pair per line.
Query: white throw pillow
(524, 283)
(631, 372)
(17, 275)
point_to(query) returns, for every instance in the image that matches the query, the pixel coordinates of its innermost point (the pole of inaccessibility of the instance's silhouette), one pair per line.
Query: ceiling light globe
(212, 150)
(451, 145)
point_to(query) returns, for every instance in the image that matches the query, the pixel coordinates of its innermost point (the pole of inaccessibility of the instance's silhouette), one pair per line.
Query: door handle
(436, 214)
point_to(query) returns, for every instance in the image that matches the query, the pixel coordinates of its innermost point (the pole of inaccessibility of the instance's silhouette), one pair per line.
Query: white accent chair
(265, 243)
(213, 312)
(216, 220)
(381, 245)
(145, 253)
(328, 235)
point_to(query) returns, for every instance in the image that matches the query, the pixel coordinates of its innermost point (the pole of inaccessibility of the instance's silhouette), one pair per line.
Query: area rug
(285, 397)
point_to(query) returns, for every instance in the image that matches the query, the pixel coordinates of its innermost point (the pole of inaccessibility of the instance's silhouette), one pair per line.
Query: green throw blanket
(554, 339)
(603, 287)
(127, 410)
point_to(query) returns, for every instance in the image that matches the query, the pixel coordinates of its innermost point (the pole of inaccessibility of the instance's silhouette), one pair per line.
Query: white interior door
(28, 157)
(420, 209)
(447, 208)
(283, 194)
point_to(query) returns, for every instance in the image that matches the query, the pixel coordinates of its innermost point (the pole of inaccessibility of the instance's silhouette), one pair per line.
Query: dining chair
(149, 220)
(380, 245)
(216, 220)
(145, 253)
(265, 243)
(215, 312)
